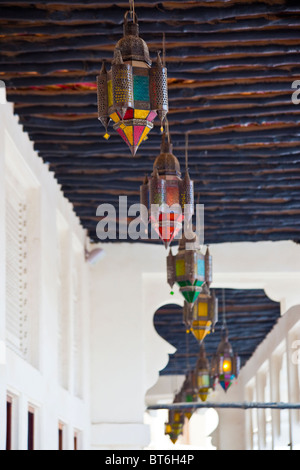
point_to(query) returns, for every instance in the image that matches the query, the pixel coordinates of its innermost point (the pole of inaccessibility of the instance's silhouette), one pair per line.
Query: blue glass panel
(201, 267)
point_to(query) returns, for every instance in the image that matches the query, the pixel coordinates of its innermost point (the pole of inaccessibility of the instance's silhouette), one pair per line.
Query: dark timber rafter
(231, 65)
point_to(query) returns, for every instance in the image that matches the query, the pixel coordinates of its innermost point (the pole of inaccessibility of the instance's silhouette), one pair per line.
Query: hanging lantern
(168, 198)
(225, 364)
(190, 269)
(174, 426)
(189, 393)
(203, 375)
(202, 317)
(132, 94)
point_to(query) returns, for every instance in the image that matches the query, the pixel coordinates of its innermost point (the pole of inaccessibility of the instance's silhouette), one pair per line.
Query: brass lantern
(189, 392)
(203, 316)
(203, 375)
(175, 424)
(133, 93)
(168, 198)
(190, 269)
(225, 364)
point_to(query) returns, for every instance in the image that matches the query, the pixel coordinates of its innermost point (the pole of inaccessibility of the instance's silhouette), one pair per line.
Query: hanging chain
(224, 310)
(186, 151)
(187, 347)
(168, 130)
(164, 49)
(132, 10)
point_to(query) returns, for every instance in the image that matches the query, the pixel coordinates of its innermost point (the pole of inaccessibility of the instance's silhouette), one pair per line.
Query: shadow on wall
(250, 316)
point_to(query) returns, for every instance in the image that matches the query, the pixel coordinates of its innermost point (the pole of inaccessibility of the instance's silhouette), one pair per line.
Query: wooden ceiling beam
(21, 44)
(285, 66)
(203, 14)
(276, 21)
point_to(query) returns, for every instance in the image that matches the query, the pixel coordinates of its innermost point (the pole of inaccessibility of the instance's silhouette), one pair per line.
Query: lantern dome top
(166, 163)
(225, 347)
(131, 46)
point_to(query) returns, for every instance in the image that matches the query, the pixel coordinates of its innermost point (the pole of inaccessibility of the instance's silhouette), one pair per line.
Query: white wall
(34, 380)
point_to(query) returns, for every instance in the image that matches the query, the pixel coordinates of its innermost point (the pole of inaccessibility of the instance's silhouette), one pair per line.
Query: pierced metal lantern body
(203, 375)
(175, 424)
(189, 393)
(203, 316)
(133, 93)
(225, 364)
(188, 269)
(168, 198)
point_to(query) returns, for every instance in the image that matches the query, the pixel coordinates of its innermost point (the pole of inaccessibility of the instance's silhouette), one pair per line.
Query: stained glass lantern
(203, 316)
(190, 269)
(203, 375)
(168, 198)
(133, 93)
(225, 364)
(189, 393)
(175, 424)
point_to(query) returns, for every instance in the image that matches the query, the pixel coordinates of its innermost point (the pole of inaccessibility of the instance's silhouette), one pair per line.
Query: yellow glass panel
(202, 309)
(177, 417)
(203, 395)
(122, 126)
(202, 324)
(180, 267)
(168, 429)
(200, 329)
(110, 93)
(114, 117)
(128, 130)
(106, 136)
(140, 114)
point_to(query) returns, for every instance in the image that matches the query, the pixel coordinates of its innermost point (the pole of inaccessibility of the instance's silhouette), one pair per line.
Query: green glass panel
(198, 283)
(186, 295)
(194, 296)
(184, 283)
(190, 297)
(205, 380)
(141, 88)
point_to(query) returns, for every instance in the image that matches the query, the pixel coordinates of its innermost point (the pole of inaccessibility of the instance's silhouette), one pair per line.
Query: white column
(117, 361)
(261, 415)
(22, 422)
(230, 433)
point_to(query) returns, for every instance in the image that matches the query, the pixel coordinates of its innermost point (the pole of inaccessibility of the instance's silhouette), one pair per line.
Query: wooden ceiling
(231, 65)
(250, 316)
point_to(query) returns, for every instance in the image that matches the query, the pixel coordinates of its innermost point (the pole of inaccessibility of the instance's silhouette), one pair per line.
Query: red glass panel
(138, 131)
(128, 114)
